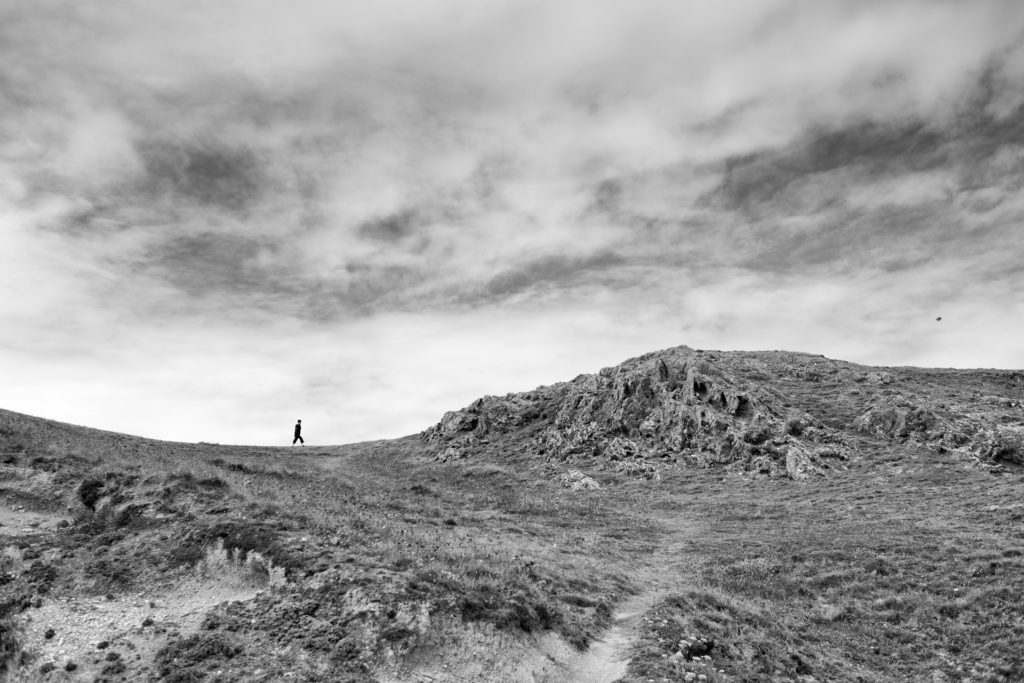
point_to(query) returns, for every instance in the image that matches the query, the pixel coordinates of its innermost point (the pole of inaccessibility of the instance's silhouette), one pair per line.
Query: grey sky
(220, 216)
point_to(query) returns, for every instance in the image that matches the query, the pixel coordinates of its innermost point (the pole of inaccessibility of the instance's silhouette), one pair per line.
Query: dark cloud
(392, 228)
(550, 271)
(201, 265)
(608, 196)
(875, 149)
(209, 174)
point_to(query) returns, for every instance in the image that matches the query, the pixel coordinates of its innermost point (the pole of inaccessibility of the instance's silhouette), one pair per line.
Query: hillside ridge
(642, 520)
(772, 413)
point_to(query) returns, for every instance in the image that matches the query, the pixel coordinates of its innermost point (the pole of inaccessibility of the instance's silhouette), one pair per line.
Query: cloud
(330, 179)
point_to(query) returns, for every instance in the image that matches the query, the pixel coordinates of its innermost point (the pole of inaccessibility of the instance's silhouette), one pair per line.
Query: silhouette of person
(298, 434)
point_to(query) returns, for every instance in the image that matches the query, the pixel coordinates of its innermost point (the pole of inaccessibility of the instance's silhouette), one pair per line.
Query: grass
(903, 576)
(903, 564)
(374, 535)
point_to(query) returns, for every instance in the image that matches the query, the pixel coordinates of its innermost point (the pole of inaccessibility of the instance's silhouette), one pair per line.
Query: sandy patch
(99, 634)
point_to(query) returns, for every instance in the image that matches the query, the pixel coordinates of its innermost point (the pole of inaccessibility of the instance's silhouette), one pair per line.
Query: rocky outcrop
(896, 418)
(574, 480)
(1004, 444)
(773, 413)
(971, 434)
(675, 406)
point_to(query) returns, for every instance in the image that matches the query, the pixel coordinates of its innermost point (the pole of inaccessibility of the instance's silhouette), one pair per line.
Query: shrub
(178, 657)
(10, 643)
(90, 491)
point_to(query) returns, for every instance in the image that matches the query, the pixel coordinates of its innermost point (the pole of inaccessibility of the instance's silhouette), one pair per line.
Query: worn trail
(607, 658)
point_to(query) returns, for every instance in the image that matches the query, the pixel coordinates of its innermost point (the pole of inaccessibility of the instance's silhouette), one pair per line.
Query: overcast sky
(219, 216)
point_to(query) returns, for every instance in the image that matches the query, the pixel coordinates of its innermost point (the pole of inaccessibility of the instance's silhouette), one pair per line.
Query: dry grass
(474, 543)
(878, 574)
(906, 564)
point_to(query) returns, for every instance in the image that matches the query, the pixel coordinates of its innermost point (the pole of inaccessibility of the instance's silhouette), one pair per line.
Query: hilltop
(766, 413)
(687, 513)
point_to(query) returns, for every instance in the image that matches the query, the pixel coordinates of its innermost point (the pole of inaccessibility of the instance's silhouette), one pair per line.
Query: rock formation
(674, 406)
(763, 413)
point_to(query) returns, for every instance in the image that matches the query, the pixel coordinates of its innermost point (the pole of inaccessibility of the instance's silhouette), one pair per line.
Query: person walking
(298, 434)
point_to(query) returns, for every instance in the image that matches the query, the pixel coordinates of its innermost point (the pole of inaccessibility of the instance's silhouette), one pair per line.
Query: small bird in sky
(939, 318)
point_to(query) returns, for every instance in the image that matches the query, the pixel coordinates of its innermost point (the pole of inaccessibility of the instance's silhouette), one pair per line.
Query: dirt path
(607, 658)
(549, 659)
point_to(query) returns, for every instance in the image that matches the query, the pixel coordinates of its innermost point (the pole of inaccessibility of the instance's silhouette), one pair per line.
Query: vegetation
(373, 554)
(901, 560)
(879, 574)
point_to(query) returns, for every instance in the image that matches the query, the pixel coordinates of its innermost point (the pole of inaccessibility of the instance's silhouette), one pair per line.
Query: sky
(220, 216)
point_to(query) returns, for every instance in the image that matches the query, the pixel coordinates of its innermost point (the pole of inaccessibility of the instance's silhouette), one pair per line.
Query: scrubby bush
(10, 643)
(180, 660)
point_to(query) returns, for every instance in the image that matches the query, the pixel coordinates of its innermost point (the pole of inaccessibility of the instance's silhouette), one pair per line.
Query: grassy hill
(736, 516)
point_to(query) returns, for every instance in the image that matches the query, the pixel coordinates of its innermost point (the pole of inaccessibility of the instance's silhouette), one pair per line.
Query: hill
(768, 413)
(686, 514)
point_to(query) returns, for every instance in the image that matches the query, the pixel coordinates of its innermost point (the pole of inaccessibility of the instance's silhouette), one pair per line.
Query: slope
(740, 516)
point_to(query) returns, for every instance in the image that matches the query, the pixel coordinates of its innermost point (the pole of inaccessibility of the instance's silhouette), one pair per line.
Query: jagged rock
(451, 453)
(458, 421)
(799, 464)
(831, 452)
(949, 429)
(638, 470)
(806, 374)
(674, 405)
(575, 480)
(620, 448)
(795, 426)
(757, 434)
(680, 407)
(1001, 443)
(899, 420)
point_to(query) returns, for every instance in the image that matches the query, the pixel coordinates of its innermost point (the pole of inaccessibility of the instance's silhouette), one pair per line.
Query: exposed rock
(638, 470)
(673, 405)
(451, 452)
(577, 481)
(899, 419)
(799, 464)
(959, 429)
(1000, 444)
(458, 421)
(745, 411)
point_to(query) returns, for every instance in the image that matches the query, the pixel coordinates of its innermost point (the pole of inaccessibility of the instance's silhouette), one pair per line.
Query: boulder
(899, 419)
(1000, 444)
(799, 464)
(575, 480)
